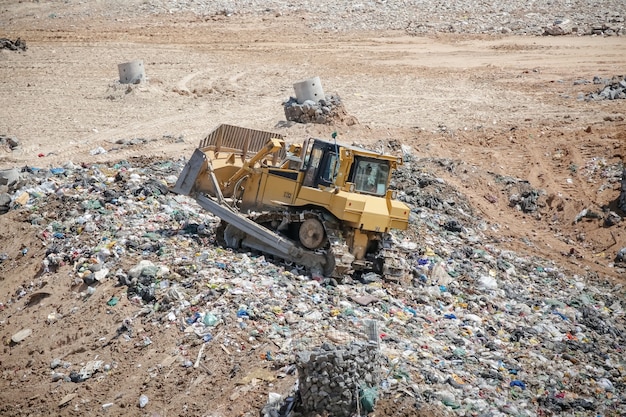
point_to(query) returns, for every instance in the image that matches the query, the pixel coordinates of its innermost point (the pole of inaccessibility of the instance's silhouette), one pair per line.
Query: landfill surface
(115, 298)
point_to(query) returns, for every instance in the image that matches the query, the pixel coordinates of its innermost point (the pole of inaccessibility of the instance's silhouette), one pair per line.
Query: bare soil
(503, 106)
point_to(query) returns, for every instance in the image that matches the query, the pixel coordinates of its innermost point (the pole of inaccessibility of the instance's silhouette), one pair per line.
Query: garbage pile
(420, 188)
(614, 89)
(329, 110)
(478, 330)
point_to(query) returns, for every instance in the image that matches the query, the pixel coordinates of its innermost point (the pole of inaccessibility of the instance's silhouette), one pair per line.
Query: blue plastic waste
(518, 383)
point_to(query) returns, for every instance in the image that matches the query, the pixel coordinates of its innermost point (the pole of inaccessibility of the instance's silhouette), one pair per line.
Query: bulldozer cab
(328, 164)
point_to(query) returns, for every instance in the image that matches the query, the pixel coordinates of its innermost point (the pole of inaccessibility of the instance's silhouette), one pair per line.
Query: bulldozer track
(340, 262)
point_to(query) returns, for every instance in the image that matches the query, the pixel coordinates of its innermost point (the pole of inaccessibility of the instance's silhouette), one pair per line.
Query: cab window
(312, 169)
(370, 176)
(330, 168)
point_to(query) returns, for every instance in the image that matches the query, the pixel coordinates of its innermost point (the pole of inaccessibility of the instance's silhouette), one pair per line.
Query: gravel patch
(584, 17)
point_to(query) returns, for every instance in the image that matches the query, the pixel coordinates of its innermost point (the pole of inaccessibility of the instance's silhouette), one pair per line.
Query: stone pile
(614, 89)
(329, 110)
(615, 27)
(16, 45)
(331, 377)
(568, 27)
(599, 18)
(561, 27)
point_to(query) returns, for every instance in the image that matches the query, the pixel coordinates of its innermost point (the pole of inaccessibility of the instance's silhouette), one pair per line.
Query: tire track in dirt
(182, 86)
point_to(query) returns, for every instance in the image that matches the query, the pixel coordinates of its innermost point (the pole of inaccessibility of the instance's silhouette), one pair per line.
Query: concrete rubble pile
(478, 330)
(328, 110)
(568, 27)
(614, 89)
(597, 18)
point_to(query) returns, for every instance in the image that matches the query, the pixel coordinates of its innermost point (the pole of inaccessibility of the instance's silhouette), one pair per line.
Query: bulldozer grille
(239, 140)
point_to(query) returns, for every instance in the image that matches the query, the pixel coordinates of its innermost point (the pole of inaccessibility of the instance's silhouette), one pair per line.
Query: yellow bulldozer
(321, 205)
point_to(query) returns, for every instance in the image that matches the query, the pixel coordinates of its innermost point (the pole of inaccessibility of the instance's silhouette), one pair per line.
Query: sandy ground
(501, 105)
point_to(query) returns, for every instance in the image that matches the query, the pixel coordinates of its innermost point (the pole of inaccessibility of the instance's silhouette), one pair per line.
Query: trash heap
(479, 330)
(329, 110)
(331, 377)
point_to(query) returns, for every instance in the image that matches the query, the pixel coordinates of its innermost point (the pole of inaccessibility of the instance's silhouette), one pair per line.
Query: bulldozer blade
(263, 239)
(191, 171)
